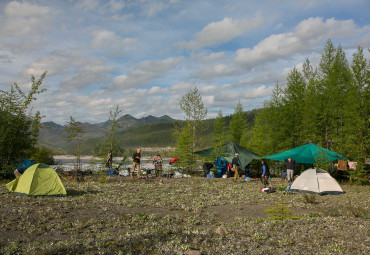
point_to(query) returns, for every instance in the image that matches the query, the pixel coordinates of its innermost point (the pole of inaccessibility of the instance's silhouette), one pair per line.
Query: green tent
(307, 154)
(230, 148)
(38, 180)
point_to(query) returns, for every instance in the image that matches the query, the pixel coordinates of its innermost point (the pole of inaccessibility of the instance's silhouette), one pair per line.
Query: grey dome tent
(316, 181)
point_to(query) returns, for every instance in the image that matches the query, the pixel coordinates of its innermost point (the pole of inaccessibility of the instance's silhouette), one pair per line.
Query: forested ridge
(327, 105)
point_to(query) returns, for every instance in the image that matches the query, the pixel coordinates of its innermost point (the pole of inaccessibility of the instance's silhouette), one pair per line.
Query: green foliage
(18, 128)
(102, 179)
(280, 211)
(309, 198)
(184, 146)
(43, 155)
(187, 135)
(219, 136)
(281, 187)
(327, 105)
(359, 176)
(75, 135)
(110, 142)
(238, 123)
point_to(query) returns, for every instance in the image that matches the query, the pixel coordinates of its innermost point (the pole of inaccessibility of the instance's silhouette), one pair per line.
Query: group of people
(157, 161)
(265, 171)
(290, 165)
(233, 168)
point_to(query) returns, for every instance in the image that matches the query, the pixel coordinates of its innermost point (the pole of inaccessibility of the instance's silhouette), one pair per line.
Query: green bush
(281, 187)
(309, 198)
(43, 155)
(280, 211)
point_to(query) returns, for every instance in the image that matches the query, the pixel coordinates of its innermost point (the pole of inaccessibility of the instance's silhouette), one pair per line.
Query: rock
(192, 252)
(221, 231)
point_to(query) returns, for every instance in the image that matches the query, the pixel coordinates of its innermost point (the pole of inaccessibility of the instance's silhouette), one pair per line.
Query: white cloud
(259, 92)
(144, 73)
(215, 70)
(155, 90)
(88, 5)
(116, 5)
(22, 19)
(307, 34)
(56, 63)
(92, 72)
(153, 8)
(25, 26)
(220, 32)
(180, 88)
(106, 39)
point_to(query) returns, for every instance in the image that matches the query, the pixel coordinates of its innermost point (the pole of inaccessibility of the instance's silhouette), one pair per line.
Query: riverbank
(95, 164)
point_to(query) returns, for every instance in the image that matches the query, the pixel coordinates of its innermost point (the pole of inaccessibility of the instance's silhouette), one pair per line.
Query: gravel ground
(118, 215)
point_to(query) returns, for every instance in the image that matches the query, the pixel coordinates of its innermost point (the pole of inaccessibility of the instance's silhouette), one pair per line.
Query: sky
(144, 55)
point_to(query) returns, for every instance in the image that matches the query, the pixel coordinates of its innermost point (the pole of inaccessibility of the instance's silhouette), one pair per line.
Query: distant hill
(53, 135)
(127, 121)
(131, 132)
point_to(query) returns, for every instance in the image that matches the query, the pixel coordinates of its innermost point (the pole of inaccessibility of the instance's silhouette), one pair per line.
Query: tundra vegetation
(183, 216)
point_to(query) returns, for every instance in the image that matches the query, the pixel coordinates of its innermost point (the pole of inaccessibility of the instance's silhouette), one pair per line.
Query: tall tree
(75, 135)
(238, 123)
(219, 135)
(358, 108)
(293, 107)
(334, 82)
(184, 145)
(195, 111)
(267, 131)
(18, 125)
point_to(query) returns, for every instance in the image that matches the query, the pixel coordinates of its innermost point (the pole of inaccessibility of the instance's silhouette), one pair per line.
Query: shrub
(281, 188)
(280, 212)
(309, 198)
(43, 155)
(102, 179)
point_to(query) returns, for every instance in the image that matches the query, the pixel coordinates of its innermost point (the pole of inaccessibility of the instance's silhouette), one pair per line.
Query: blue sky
(144, 55)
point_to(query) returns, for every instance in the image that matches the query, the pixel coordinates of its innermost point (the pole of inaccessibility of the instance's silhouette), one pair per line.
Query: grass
(203, 216)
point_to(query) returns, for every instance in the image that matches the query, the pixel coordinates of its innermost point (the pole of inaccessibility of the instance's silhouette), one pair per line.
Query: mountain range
(53, 135)
(131, 132)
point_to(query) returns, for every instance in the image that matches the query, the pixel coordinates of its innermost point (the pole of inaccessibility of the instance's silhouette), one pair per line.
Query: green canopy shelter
(38, 180)
(230, 148)
(307, 154)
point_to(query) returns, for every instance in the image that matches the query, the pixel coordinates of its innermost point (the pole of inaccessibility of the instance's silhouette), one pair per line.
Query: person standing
(290, 164)
(235, 164)
(265, 174)
(158, 162)
(109, 161)
(136, 163)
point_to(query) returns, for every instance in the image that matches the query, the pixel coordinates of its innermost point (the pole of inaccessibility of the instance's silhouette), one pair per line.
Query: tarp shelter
(38, 180)
(230, 148)
(307, 154)
(316, 181)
